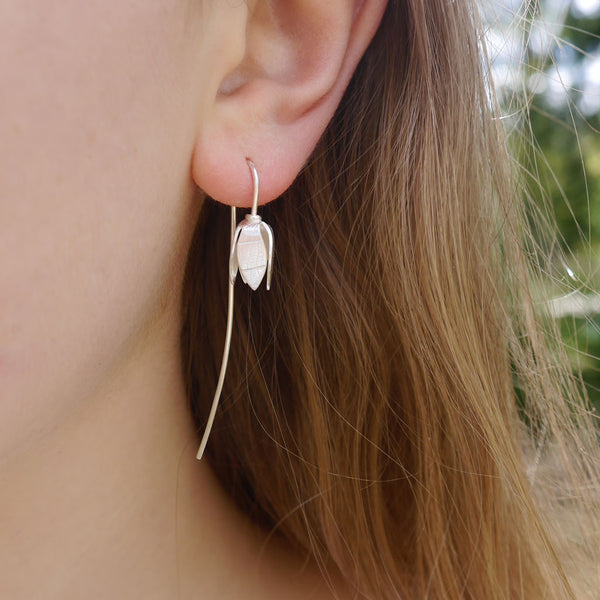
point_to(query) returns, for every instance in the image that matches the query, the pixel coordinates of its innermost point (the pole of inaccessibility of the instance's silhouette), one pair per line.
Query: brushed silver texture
(252, 252)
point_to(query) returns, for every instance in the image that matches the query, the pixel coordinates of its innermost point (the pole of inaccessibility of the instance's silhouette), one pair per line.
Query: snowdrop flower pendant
(252, 246)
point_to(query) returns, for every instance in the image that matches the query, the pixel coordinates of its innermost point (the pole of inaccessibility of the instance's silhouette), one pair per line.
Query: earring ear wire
(252, 254)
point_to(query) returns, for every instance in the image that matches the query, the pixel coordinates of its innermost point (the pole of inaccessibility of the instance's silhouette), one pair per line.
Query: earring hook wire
(255, 185)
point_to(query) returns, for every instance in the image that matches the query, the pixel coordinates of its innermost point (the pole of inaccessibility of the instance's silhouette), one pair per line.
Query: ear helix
(252, 255)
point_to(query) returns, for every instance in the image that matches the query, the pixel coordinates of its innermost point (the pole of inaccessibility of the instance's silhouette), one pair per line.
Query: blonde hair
(369, 412)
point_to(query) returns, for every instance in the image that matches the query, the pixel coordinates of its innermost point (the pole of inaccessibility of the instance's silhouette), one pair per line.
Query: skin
(115, 118)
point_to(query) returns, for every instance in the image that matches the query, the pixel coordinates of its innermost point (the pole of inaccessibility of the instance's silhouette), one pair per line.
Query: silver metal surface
(215, 403)
(255, 186)
(252, 254)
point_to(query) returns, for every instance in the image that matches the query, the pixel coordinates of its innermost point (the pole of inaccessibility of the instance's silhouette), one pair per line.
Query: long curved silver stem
(215, 403)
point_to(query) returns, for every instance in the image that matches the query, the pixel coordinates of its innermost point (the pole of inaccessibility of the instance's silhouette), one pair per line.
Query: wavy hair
(382, 399)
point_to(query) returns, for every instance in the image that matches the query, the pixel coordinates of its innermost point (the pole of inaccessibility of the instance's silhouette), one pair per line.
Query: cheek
(97, 127)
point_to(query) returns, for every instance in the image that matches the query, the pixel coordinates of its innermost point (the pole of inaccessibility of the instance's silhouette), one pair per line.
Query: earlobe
(274, 107)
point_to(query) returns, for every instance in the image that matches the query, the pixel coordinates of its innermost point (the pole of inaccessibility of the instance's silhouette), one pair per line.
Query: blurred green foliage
(569, 140)
(582, 337)
(561, 156)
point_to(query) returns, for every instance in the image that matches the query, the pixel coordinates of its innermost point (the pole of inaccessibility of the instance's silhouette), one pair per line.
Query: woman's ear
(296, 60)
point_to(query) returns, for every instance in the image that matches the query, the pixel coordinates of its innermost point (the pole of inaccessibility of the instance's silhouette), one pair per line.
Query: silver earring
(252, 254)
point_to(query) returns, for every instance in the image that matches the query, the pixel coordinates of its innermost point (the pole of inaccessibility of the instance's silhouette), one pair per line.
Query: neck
(112, 503)
(100, 488)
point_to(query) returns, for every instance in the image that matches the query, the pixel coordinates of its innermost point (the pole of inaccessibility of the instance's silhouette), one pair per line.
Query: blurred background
(545, 67)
